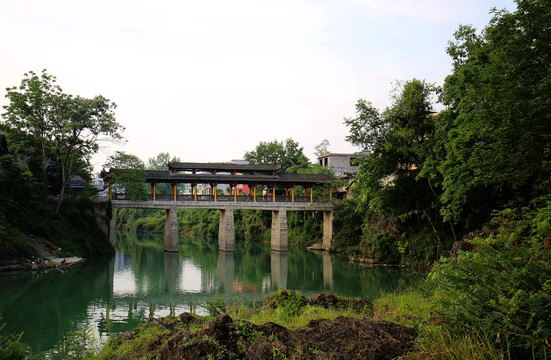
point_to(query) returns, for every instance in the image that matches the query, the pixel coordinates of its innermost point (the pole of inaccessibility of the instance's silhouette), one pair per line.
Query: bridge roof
(208, 178)
(223, 167)
(154, 176)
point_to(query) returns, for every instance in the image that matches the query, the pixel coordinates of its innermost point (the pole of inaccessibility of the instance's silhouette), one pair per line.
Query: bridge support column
(171, 230)
(280, 236)
(226, 231)
(327, 229)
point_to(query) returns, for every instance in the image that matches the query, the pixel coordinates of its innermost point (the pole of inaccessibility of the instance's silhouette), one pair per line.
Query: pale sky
(208, 80)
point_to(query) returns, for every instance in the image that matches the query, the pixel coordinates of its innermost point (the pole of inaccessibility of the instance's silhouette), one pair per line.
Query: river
(113, 294)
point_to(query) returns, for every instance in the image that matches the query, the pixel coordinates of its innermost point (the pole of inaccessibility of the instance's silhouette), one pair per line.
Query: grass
(281, 317)
(434, 342)
(147, 337)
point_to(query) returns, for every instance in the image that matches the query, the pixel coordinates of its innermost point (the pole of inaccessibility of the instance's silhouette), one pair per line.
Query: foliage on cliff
(23, 211)
(443, 174)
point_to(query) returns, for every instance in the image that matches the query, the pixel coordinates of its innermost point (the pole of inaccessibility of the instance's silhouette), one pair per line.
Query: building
(343, 165)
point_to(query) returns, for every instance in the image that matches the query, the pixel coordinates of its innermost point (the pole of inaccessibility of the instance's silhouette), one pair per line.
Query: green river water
(113, 294)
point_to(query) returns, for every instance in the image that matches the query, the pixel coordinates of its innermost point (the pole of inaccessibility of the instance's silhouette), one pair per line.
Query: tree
(368, 129)
(41, 119)
(285, 154)
(160, 161)
(77, 129)
(128, 172)
(497, 125)
(391, 181)
(28, 117)
(322, 148)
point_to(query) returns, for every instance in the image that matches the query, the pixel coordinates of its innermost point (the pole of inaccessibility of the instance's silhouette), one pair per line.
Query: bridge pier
(226, 230)
(171, 230)
(280, 235)
(327, 229)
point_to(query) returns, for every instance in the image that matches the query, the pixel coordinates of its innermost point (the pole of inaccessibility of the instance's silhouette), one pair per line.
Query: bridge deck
(222, 205)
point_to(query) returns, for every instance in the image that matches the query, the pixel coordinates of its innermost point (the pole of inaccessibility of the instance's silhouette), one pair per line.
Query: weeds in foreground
(78, 345)
(11, 346)
(434, 341)
(437, 343)
(219, 305)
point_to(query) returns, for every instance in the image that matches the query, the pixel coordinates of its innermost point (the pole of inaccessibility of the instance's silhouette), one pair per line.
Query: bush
(503, 288)
(419, 250)
(383, 246)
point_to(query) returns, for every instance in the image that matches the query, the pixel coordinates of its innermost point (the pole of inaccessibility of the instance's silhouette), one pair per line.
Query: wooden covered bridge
(251, 187)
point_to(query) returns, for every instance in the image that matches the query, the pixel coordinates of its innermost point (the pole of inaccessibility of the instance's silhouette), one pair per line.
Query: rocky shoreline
(50, 256)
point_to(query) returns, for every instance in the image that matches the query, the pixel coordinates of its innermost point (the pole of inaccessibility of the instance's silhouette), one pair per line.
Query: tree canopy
(322, 148)
(127, 171)
(160, 161)
(60, 129)
(390, 180)
(496, 130)
(287, 155)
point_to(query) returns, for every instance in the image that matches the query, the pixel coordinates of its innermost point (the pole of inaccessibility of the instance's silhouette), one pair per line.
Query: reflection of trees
(53, 303)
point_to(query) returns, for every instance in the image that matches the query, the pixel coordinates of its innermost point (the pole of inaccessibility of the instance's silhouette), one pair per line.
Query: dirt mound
(286, 298)
(331, 301)
(222, 338)
(190, 337)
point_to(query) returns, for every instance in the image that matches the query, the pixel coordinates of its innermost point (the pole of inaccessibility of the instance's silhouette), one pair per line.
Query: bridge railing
(227, 198)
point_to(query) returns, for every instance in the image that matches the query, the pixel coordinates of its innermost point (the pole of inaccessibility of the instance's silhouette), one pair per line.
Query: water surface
(114, 294)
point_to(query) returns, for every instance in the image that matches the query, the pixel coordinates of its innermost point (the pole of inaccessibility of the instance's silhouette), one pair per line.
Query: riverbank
(45, 256)
(287, 326)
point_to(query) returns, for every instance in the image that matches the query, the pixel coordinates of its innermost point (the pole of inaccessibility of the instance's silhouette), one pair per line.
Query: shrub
(503, 288)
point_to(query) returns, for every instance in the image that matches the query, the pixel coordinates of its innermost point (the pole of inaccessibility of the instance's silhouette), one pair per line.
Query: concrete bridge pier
(280, 235)
(171, 230)
(327, 229)
(226, 230)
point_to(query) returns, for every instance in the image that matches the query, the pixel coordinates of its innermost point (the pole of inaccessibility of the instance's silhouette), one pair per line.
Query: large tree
(29, 115)
(497, 127)
(42, 121)
(78, 128)
(286, 155)
(391, 181)
(127, 171)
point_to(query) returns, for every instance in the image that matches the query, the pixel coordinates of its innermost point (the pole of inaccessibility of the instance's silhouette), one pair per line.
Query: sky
(207, 81)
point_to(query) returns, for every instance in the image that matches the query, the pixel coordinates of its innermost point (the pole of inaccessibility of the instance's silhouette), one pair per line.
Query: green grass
(413, 308)
(279, 316)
